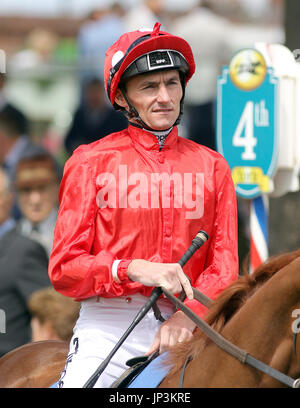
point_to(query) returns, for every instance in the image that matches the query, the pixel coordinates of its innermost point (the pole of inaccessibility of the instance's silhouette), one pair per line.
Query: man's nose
(35, 196)
(163, 94)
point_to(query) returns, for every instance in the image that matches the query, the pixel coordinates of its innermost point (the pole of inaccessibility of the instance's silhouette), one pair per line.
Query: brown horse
(34, 365)
(256, 313)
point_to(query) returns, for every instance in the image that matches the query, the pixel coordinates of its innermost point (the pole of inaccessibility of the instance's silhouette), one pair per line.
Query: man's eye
(149, 86)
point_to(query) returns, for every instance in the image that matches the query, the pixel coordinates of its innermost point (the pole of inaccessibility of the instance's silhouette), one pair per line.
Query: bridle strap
(295, 342)
(206, 301)
(241, 355)
(187, 360)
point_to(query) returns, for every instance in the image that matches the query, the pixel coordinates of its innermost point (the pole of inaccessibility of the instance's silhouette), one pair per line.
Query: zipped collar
(149, 141)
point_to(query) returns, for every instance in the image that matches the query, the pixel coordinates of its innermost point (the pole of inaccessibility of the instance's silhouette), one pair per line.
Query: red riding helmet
(142, 51)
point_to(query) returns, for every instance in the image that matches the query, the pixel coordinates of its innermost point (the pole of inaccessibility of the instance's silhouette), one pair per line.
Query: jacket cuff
(119, 270)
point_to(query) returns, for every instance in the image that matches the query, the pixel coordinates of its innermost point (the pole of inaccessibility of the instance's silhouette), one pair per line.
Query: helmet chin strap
(132, 113)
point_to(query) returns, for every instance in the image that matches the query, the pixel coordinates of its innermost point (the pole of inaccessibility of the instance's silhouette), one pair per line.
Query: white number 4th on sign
(253, 115)
(248, 141)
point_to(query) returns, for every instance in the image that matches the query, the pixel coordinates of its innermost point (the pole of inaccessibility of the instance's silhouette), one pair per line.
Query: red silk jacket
(122, 198)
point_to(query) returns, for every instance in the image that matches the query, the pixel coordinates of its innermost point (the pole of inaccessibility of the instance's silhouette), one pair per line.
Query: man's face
(36, 202)
(156, 97)
(5, 200)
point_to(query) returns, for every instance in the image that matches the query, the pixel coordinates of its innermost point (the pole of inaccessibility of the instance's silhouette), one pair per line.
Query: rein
(241, 355)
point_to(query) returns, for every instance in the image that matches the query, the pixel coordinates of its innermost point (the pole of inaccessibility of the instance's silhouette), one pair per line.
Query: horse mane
(227, 304)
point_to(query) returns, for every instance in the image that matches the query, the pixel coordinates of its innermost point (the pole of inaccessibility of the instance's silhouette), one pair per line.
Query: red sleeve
(221, 266)
(73, 270)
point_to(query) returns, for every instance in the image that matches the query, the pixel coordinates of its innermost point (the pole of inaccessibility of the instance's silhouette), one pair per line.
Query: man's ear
(120, 100)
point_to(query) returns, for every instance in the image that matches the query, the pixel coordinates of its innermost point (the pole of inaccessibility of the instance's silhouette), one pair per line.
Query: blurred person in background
(252, 21)
(102, 27)
(37, 180)
(39, 49)
(94, 118)
(53, 315)
(209, 37)
(143, 14)
(13, 143)
(6, 106)
(23, 270)
(262, 11)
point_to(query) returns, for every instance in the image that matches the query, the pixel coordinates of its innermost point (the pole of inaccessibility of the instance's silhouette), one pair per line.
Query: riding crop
(197, 242)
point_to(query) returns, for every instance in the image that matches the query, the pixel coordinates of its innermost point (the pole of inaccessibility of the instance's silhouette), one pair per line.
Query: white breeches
(100, 325)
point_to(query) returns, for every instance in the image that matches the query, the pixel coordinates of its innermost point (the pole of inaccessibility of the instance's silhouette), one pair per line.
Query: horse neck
(263, 328)
(265, 320)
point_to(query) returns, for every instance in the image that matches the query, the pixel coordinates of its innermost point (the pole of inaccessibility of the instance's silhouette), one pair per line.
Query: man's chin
(159, 124)
(35, 220)
(162, 125)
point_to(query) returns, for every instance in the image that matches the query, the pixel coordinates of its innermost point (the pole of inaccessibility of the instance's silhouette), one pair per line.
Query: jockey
(130, 205)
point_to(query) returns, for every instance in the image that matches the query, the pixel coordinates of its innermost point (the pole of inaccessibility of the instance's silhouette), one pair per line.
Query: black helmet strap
(132, 113)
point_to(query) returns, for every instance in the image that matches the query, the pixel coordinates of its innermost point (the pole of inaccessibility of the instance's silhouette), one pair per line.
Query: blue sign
(247, 129)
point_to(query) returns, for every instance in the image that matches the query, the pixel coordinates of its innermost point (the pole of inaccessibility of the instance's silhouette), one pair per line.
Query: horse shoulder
(36, 364)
